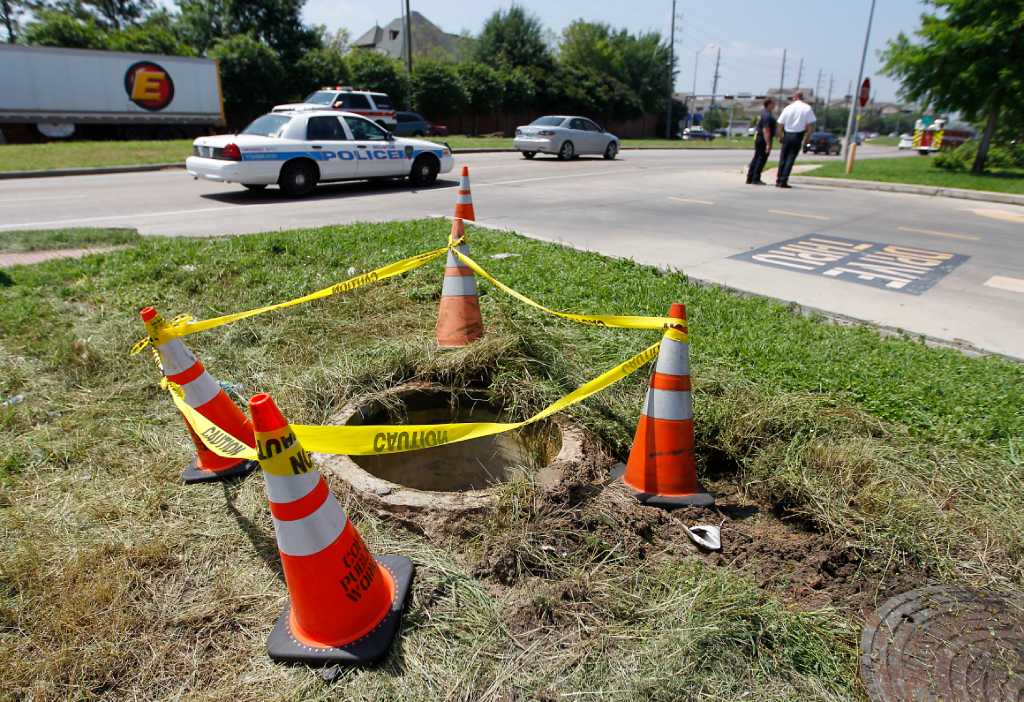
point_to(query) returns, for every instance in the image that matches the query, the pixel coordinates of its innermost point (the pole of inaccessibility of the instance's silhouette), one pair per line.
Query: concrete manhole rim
(890, 642)
(402, 498)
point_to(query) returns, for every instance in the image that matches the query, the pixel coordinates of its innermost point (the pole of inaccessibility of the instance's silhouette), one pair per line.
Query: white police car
(296, 150)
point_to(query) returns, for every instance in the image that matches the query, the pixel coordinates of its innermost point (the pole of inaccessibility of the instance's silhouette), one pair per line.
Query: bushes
(962, 158)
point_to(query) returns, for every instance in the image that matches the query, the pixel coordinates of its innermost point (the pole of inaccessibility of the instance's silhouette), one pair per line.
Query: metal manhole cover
(945, 643)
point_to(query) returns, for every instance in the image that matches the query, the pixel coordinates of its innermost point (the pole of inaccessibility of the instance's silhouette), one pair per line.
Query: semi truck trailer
(55, 93)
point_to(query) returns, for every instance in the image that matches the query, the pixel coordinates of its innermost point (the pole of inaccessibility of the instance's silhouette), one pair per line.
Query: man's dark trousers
(760, 158)
(792, 142)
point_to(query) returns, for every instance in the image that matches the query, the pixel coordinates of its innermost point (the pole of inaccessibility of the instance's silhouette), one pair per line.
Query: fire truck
(931, 134)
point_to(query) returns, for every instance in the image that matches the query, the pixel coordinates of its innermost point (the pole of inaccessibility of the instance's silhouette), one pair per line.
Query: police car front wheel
(298, 178)
(424, 170)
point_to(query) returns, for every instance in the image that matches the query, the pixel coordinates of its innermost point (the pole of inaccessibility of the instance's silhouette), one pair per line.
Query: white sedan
(566, 137)
(296, 150)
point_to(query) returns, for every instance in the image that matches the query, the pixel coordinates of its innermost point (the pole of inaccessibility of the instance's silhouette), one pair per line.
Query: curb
(934, 191)
(10, 175)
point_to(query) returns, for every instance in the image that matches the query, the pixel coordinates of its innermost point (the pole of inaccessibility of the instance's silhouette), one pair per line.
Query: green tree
(320, 67)
(373, 71)
(107, 14)
(483, 88)
(436, 89)
(11, 12)
(513, 37)
(276, 23)
(156, 35)
(968, 59)
(53, 28)
(251, 75)
(518, 88)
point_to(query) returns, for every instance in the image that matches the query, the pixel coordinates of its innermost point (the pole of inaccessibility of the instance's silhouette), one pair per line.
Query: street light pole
(860, 79)
(671, 73)
(408, 38)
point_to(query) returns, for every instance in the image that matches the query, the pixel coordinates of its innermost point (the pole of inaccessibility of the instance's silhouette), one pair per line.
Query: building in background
(427, 39)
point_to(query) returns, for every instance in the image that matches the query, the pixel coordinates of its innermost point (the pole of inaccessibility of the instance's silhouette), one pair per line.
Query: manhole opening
(469, 465)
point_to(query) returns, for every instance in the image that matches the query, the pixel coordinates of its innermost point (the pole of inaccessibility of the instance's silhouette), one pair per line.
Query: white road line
(688, 199)
(934, 232)
(569, 175)
(800, 214)
(1006, 283)
(1004, 215)
(108, 218)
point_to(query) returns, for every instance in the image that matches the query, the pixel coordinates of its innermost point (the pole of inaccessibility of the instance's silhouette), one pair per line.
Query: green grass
(884, 141)
(44, 239)
(117, 581)
(919, 170)
(91, 154)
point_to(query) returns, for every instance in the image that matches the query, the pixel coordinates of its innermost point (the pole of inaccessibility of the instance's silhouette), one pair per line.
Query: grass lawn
(884, 141)
(920, 171)
(91, 154)
(20, 241)
(848, 467)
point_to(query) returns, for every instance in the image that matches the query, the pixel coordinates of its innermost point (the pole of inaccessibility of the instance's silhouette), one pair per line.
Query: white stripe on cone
(175, 357)
(282, 489)
(668, 404)
(674, 358)
(312, 534)
(458, 285)
(200, 391)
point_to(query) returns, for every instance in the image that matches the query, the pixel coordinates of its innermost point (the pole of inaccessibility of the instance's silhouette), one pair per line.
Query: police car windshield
(320, 97)
(548, 121)
(267, 125)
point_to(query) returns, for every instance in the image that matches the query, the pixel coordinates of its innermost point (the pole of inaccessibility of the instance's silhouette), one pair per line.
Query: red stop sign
(865, 92)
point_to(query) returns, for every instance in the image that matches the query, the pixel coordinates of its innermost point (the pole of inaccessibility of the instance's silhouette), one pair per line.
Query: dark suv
(823, 143)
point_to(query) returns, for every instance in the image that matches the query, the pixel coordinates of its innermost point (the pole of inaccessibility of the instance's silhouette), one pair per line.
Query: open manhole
(456, 476)
(945, 643)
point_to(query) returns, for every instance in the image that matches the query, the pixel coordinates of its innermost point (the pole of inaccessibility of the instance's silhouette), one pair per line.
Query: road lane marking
(1004, 215)
(688, 199)
(800, 214)
(934, 232)
(587, 174)
(1006, 283)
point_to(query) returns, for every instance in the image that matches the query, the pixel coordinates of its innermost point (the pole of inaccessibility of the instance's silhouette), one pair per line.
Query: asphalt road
(686, 210)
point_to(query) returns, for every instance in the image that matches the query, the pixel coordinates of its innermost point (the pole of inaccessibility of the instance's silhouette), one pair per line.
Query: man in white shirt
(796, 122)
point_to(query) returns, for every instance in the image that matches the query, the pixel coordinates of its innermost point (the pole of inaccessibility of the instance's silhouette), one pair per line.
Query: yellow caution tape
(368, 440)
(159, 333)
(601, 320)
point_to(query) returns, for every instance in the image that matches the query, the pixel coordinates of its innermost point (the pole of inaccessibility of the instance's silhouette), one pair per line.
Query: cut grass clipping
(899, 463)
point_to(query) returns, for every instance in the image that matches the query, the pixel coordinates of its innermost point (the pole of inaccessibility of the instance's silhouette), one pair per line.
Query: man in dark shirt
(762, 143)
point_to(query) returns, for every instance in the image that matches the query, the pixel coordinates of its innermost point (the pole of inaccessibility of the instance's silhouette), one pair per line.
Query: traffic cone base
(284, 646)
(700, 498)
(195, 474)
(459, 321)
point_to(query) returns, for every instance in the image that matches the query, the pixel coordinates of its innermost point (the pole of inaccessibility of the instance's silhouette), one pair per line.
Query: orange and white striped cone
(344, 605)
(207, 397)
(458, 316)
(464, 200)
(661, 469)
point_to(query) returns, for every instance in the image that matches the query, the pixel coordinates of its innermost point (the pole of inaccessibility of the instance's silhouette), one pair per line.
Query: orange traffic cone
(344, 606)
(661, 469)
(464, 200)
(458, 316)
(204, 395)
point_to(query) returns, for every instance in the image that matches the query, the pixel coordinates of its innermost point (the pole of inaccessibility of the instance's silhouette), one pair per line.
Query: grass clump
(18, 241)
(117, 581)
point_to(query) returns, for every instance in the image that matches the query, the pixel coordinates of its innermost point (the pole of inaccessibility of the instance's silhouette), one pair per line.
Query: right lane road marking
(933, 232)
(800, 214)
(688, 199)
(1006, 283)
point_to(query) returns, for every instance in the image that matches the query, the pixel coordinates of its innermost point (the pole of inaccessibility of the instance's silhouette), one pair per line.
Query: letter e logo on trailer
(148, 85)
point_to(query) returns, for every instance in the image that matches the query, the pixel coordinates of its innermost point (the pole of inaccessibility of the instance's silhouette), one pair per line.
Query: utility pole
(782, 78)
(828, 100)
(817, 89)
(408, 38)
(714, 84)
(800, 74)
(860, 78)
(671, 73)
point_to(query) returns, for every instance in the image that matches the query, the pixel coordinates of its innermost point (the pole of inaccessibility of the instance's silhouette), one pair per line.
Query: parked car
(823, 143)
(375, 106)
(697, 134)
(411, 124)
(565, 136)
(906, 142)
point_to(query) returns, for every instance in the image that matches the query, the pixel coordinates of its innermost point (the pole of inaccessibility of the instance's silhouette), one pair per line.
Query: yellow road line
(690, 199)
(933, 232)
(800, 214)
(1004, 215)
(1006, 283)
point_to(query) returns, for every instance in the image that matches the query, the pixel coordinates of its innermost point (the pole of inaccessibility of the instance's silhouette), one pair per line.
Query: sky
(828, 35)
